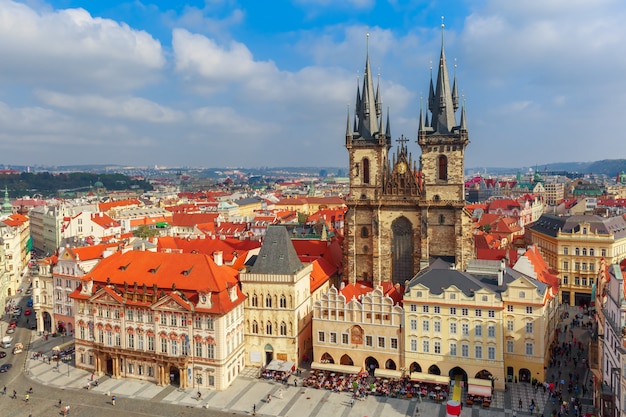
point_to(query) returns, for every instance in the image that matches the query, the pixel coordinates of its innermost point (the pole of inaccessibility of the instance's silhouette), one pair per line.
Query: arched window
(364, 231)
(255, 300)
(283, 329)
(268, 328)
(442, 219)
(283, 301)
(366, 171)
(255, 327)
(443, 168)
(268, 300)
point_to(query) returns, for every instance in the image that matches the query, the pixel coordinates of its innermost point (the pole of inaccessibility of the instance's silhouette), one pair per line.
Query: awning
(335, 367)
(429, 378)
(480, 387)
(280, 366)
(388, 373)
(63, 346)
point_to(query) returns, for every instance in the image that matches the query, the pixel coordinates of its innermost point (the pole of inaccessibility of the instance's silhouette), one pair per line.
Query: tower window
(366, 171)
(364, 232)
(442, 219)
(443, 168)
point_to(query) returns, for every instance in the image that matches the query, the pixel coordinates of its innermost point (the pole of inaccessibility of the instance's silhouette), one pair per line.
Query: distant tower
(7, 207)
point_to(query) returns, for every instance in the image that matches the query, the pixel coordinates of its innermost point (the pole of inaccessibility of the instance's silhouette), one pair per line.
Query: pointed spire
(463, 122)
(378, 99)
(421, 122)
(431, 91)
(388, 130)
(348, 132)
(443, 109)
(455, 91)
(367, 111)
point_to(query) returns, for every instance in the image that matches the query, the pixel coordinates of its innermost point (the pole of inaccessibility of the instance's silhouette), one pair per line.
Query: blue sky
(267, 83)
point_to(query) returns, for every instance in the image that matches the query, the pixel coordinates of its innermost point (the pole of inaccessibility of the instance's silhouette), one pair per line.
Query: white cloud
(132, 108)
(73, 49)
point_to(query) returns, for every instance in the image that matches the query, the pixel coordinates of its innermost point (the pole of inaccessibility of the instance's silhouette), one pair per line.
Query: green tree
(145, 232)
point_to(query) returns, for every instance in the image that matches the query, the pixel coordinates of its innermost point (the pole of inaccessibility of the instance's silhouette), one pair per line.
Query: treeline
(48, 185)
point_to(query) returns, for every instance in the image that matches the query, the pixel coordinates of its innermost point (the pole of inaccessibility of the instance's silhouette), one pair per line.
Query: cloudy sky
(248, 83)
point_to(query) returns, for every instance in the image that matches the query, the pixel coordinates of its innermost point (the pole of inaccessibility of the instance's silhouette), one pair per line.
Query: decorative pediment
(205, 300)
(169, 303)
(106, 296)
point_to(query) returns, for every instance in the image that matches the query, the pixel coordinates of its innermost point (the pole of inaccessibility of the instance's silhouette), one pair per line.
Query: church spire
(421, 122)
(367, 106)
(443, 118)
(388, 130)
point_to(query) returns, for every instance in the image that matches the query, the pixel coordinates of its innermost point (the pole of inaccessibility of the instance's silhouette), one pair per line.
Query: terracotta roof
(104, 220)
(321, 273)
(85, 253)
(118, 203)
(192, 219)
(228, 247)
(15, 219)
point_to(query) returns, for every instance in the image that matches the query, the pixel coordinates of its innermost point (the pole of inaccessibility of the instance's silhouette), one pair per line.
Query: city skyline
(237, 83)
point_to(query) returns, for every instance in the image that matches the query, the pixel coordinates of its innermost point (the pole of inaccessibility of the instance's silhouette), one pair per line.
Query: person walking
(254, 409)
(14, 396)
(113, 399)
(26, 398)
(4, 390)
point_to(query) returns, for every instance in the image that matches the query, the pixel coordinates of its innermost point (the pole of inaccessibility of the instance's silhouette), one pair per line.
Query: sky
(249, 83)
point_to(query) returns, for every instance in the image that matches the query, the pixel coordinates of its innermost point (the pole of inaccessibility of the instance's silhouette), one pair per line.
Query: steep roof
(277, 254)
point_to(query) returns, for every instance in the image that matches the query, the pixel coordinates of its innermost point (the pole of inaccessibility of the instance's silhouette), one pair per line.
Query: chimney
(218, 258)
(501, 272)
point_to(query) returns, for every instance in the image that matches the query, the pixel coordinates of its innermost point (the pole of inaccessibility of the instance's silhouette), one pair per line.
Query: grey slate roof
(439, 276)
(277, 254)
(247, 201)
(549, 224)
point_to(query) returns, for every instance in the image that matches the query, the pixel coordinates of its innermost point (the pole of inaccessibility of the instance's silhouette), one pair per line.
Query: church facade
(404, 212)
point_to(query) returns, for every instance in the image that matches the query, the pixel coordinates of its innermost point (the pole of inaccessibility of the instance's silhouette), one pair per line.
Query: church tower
(446, 228)
(401, 215)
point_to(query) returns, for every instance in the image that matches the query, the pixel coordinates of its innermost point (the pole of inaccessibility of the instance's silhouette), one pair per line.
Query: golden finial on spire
(442, 25)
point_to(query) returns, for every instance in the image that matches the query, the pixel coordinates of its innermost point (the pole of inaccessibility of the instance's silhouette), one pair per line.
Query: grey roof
(549, 224)
(439, 276)
(247, 201)
(277, 254)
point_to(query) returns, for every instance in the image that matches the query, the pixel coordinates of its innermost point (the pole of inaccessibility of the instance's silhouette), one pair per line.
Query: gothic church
(403, 213)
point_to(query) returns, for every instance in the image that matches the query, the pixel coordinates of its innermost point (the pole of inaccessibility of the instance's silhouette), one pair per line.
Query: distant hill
(608, 167)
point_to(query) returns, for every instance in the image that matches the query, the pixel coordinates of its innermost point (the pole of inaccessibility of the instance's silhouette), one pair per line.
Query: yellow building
(574, 246)
(279, 292)
(350, 335)
(490, 322)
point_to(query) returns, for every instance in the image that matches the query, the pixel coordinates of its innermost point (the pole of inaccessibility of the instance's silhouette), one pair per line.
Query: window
(174, 348)
(150, 371)
(333, 337)
(268, 328)
(577, 251)
(100, 336)
(478, 352)
(268, 301)
(576, 280)
(130, 368)
(453, 311)
(424, 309)
(478, 330)
(116, 313)
(183, 348)
(366, 171)
(321, 337)
(413, 323)
(394, 343)
(99, 311)
(602, 252)
(199, 349)
(197, 322)
(129, 314)
(437, 347)
(584, 281)
(210, 351)
(566, 251)
(437, 326)
(369, 341)
(255, 328)
(565, 265)
(453, 328)
(585, 250)
(151, 343)
(210, 323)
(140, 316)
(565, 280)
(529, 309)
(109, 339)
(437, 309)
(163, 319)
(131, 341)
(465, 312)
(381, 342)
(254, 300)
(522, 294)
(465, 351)
(344, 338)
(491, 331)
(283, 329)
(510, 346)
(529, 327)
(414, 345)
(414, 307)
(591, 252)
(510, 325)
(465, 329)
(173, 320)
(443, 167)
(140, 345)
(529, 348)
(491, 313)
(283, 301)
(442, 219)
(453, 296)
(425, 325)
(425, 346)
(452, 349)
(82, 333)
(163, 345)
(478, 313)
(509, 308)
(577, 266)
(491, 353)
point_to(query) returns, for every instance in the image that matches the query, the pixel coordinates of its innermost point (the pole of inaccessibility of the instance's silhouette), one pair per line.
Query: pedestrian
(92, 376)
(14, 396)
(60, 402)
(295, 382)
(4, 390)
(351, 402)
(520, 404)
(199, 396)
(26, 398)
(113, 399)
(269, 398)
(254, 409)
